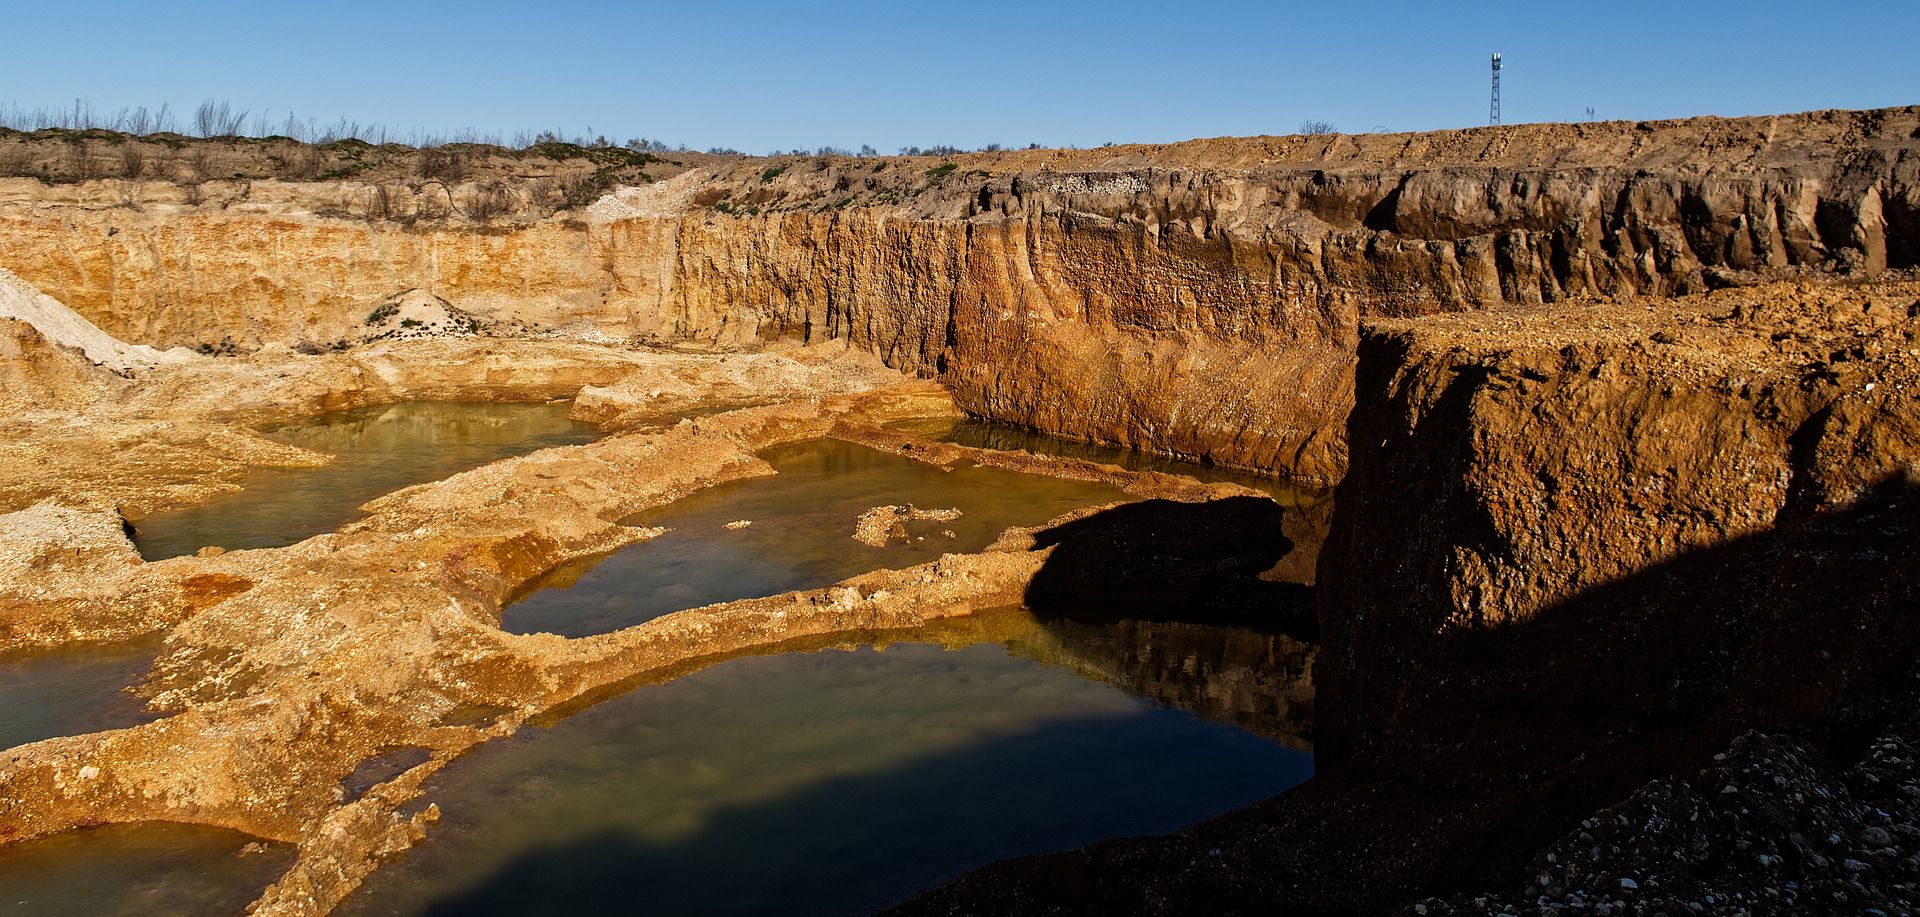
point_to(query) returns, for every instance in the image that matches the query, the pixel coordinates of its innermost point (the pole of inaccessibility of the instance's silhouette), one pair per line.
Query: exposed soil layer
(1202, 299)
(1522, 462)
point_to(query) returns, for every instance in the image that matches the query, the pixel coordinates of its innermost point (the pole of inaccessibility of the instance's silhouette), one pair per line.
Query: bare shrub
(546, 194)
(298, 163)
(79, 161)
(437, 205)
(218, 119)
(201, 161)
(1312, 128)
(442, 165)
(485, 202)
(133, 161)
(581, 190)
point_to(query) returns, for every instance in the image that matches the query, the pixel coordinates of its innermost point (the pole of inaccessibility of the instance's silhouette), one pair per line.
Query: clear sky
(758, 75)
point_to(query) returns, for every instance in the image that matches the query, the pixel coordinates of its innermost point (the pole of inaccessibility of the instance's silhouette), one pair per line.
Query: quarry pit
(1402, 445)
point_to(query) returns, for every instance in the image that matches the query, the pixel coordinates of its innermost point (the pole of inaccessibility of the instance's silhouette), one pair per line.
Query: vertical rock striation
(1201, 299)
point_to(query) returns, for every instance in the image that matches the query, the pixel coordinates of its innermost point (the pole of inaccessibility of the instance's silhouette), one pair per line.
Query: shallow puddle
(72, 690)
(377, 450)
(800, 536)
(981, 434)
(150, 870)
(832, 782)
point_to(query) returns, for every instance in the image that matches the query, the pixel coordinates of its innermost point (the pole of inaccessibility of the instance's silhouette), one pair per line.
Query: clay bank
(1623, 418)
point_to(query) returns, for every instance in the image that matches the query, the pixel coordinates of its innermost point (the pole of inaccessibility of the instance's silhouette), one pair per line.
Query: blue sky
(760, 75)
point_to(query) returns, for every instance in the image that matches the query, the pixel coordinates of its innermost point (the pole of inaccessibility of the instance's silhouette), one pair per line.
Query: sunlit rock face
(1200, 298)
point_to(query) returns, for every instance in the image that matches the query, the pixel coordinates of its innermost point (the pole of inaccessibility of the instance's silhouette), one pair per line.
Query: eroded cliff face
(1690, 508)
(1201, 299)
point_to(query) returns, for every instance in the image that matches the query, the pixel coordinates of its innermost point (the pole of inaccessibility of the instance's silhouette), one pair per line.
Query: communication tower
(1493, 108)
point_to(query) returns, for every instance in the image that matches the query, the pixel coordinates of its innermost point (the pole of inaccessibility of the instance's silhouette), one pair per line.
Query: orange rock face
(1513, 471)
(1200, 299)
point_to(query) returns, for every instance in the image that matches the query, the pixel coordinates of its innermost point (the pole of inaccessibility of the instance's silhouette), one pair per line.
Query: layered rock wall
(1626, 517)
(1200, 299)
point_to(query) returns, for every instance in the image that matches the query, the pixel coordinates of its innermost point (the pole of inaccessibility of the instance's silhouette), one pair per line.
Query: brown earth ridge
(1201, 298)
(1625, 420)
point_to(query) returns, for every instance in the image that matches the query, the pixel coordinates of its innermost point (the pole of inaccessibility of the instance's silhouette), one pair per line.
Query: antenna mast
(1493, 108)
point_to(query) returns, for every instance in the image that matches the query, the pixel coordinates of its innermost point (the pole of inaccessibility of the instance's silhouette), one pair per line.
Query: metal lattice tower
(1493, 108)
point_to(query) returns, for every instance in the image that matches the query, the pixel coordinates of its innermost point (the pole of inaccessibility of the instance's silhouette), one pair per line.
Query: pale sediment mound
(670, 198)
(883, 524)
(61, 325)
(37, 373)
(419, 314)
(49, 538)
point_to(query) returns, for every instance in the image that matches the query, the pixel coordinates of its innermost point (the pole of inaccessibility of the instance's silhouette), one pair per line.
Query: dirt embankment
(1200, 298)
(1582, 549)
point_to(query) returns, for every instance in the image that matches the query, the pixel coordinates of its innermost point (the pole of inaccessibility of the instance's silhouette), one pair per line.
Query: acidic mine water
(72, 690)
(829, 782)
(152, 870)
(982, 434)
(377, 450)
(801, 536)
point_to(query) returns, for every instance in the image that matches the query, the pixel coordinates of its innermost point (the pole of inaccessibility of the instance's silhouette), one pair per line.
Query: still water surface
(149, 870)
(377, 450)
(72, 690)
(829, 782)
(982, 434)
(801, 535)
(822, 782)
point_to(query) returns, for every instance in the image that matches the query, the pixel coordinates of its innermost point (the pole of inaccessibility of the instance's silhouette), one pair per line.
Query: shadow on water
(1481, 747)
(809, 853)
(815, 783)
(1168, 561)
(801, 536)
(377, 450)
(1260, 682)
